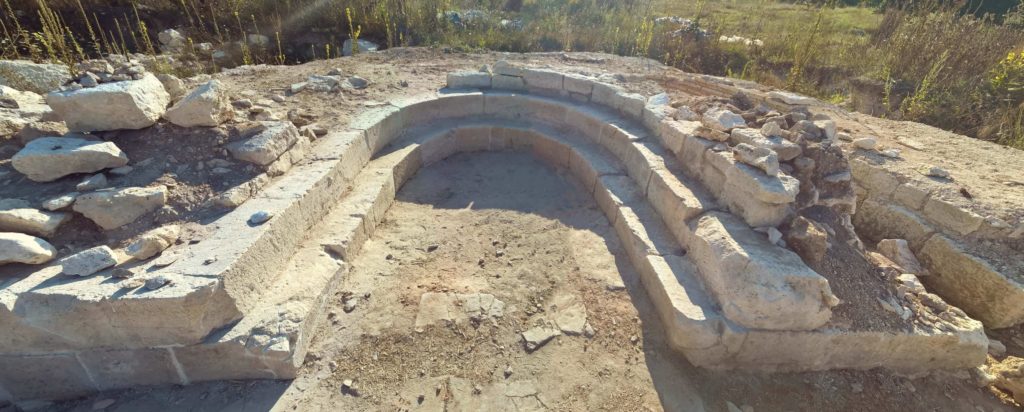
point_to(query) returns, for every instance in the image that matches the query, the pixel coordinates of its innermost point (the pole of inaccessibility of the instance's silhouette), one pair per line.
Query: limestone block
(207, 105)
(31, 221)
(604, 94)
(643, 233)
(682, 304)
(630, 104)
(22, 248)
(674, 133)
(579, 84)
(952, 217)
(543, 80)
(153, 242)
(265, 147)
(972, 284)
(503, 82)
(691, 155)
(117, 369)
(588, 121)
(898, 251)
(114, 208)
(551, 152)
(614, 191)
(88, 262)
(39, 78)
(469, 80)
(910, 196)
(781, 189)
(29, 377)
(133, 104)
(879, 183)
(786, 149)
(50, 158)
(757, 284)
(722, 119)
(876, 221)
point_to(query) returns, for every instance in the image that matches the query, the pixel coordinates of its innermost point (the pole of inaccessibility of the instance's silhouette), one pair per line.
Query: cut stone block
(759, 285)
(111, 209)
(970, 283)
(469, 80)
(267, 145)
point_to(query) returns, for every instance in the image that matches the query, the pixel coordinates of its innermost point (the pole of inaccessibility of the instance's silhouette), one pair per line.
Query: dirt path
(505, 225)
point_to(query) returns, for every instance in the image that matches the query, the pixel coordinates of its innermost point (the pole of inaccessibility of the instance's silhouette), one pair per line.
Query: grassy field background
(947, 64)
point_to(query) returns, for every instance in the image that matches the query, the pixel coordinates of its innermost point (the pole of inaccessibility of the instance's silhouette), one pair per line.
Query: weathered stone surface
(133, 104)
(266, 146)
(22, 248)
(898, 250)
(60, 202)
(35, 130)
(791, 98)
(808, 239)
(114, 208)
(51, 158)
(786, 149)
(758, 285)
(759, 157)
(34, 77)
(722, 119)
(207, 105)
(469, 80)
(88, 262)
(972, 284)
(153, 242)
(174, 86)
(538, 336)
(94, 182)
(1009, 376)
(30, 221)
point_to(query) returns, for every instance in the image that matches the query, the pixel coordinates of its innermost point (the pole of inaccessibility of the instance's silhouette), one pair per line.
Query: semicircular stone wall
(684, 212)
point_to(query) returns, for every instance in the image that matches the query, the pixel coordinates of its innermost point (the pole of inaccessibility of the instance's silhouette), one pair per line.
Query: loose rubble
(51, 158)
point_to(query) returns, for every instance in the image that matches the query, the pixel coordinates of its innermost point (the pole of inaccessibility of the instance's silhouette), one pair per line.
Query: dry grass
(947, 59)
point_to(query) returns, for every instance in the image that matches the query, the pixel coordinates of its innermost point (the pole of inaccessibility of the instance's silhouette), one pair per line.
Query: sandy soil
(507, 225)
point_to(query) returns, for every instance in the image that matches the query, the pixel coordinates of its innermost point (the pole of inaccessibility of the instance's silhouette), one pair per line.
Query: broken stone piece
(22, 248)
(111, 209)
(538, 336)
(88, 262)
(50, 158)
(153, 242)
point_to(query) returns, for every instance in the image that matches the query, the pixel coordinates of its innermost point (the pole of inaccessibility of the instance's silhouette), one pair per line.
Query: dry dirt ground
(505, 224)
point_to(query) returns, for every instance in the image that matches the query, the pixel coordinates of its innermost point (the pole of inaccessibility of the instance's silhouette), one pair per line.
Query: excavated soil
(507, 225)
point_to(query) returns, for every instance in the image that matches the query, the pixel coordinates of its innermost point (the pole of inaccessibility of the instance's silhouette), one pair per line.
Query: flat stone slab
(50, 158)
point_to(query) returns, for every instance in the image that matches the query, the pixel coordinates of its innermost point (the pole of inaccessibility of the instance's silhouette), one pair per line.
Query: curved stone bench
(242, 303)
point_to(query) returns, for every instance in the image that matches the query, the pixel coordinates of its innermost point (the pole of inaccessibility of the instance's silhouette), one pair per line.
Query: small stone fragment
(866, 143)
(157, 282)
(153, 242)
(94, 182)
(260, 217)
(759, 157)
(898, 251)
(88, 262)
(938, 172)
(121, 273)
(538, 336)
(722, 120)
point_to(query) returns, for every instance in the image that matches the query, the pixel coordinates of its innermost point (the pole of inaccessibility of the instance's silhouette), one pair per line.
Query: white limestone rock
(23, 219)
(22, 248)
(208, 105)
(786, 149)
(114, 208)
(469, 80)
(792, 99)
(112, 106)
(153, 242)
(50, 158)
(267, 145)
(60, 202)
(759, 157)
(174, 86)
(34, 77)
(88, 262)
(898, 251)
(866, 143)
(722, 119)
